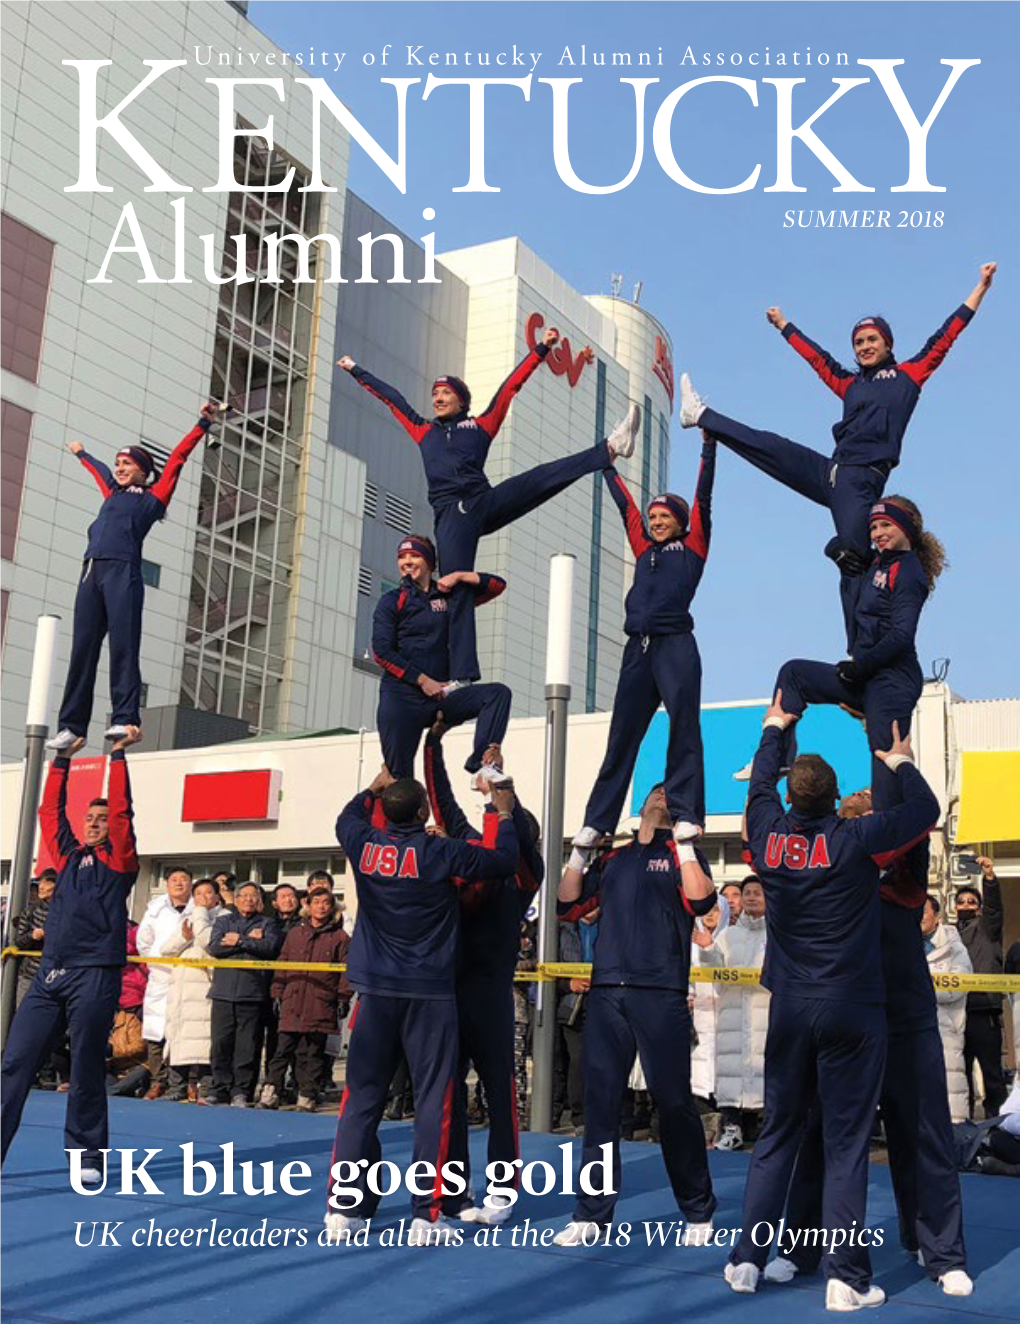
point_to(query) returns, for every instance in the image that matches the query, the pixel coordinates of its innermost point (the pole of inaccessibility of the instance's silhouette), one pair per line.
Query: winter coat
(188, 1011)
(236, 985)
(947, 955)
(161, 920)
(742, 1018)
(706, 1005)
(33, 918)
(134, 977)
(309, 999)
(982, 937)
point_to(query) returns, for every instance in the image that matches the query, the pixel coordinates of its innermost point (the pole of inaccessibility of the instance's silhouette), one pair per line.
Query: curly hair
(929, 550)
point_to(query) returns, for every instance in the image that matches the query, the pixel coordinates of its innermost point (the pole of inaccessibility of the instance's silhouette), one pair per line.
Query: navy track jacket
(405, 937)
(821, 881)
(411, 630)
(666, 575)
(645, 920)
(454, 450)
(128, 513)
(87, 920)
(892, 593)
(491, 910)
(878, 401)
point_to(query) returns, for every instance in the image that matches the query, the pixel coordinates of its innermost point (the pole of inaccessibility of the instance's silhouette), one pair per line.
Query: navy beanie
(676, 506)
(141, 457)
(881, 326)
(896, 515)
(457, 386)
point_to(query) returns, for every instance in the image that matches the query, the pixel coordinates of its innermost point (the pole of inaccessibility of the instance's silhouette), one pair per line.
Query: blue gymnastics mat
(48, 1279)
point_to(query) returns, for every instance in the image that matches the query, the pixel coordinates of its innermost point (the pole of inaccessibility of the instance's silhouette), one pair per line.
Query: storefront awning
(989, 797)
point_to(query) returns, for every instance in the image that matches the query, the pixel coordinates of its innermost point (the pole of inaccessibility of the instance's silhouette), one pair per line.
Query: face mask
(966, 919)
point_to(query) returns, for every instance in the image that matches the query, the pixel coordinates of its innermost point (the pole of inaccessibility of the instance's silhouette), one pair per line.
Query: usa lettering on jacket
(796, 852)
(388, 861)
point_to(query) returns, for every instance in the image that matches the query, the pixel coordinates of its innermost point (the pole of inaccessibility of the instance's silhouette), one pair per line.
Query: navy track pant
(656, 1023)
(426, 1030)
(108, 602)
(405, 712)
(84, 1001)
(460, 526)
(889, 696)
(835, 1050)
(848, 490)
(662, 668)
(922, 1159)
(485, 1015)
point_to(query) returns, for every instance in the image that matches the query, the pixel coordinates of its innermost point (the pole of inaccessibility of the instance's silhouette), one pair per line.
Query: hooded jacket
(877, 401)
(946, 955)
(742, 1016)
(453, 450)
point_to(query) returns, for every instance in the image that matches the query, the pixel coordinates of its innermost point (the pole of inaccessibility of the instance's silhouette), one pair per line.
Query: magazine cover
(509, 619)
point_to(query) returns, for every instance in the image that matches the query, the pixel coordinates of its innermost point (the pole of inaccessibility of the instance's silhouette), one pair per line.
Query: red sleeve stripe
(430, 787)
(696, 541)
(493, 587)
(920, 369)
(416, 431)
(378, 819)
(391, 667)
(101, 482)
(885, 858)
(831, 379)
(490, 830)
(639, 542)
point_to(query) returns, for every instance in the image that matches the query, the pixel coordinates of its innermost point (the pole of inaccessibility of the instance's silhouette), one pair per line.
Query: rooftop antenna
(617, 283)
(637, 291)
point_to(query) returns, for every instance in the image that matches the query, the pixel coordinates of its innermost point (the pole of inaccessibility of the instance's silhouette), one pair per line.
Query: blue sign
(731, 736)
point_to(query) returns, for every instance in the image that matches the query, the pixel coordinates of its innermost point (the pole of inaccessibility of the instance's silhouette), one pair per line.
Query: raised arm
(891, 832)
(385, 634)
(99, 471)
(355, 823)
(627, 506)
(700, 534)
(909, 592)
(166, 484)
(580, 892)
(492, 418)
(56, 830)
(123, 848)
(409, 419)
(530, 865)
(833, 374)
(486, 586)
(764, 807)
(991, 918)
(445, 809)
(469, 863)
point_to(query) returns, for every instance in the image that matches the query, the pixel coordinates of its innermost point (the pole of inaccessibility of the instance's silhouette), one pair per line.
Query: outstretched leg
(525, 492)
(89, 631)
(788, 462)
(490, 705)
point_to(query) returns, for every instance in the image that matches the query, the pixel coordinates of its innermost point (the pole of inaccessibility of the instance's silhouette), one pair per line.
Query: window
(398, 513)
(28, 260)
(371, 501)
(16, 427)
(150, 573)
(364, 580)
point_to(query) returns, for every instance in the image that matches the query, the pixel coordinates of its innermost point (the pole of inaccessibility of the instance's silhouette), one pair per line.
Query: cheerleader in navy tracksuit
(411, 642)
(661, 663)
(878, 400)
(111, 592)
(882, 678)
(454, 446)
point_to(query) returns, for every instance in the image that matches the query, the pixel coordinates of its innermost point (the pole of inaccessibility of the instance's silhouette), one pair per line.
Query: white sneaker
(698, 1234)
(574, 1234)
(957, 1282)
(691, 404)
(341, 1227)
(268, 1098)
(621, 439)
(744, 774)
(742, 1277)
(780, 1270)
(488, 775)
(92, 1176)
(61, 742)
(422, 1232)
(498, 1212)
(685, 832)
(116, 732)
(732, 1137)
(841, 1296)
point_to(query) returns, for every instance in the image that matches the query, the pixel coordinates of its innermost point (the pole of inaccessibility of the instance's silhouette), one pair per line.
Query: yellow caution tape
(548, 971)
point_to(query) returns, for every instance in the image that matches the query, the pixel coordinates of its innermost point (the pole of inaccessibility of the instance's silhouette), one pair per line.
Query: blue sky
(712, 264)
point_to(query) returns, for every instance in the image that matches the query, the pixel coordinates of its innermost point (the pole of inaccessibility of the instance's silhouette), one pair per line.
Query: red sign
(231, 797)
(559, 358)
(663, 366)
(85, 781)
